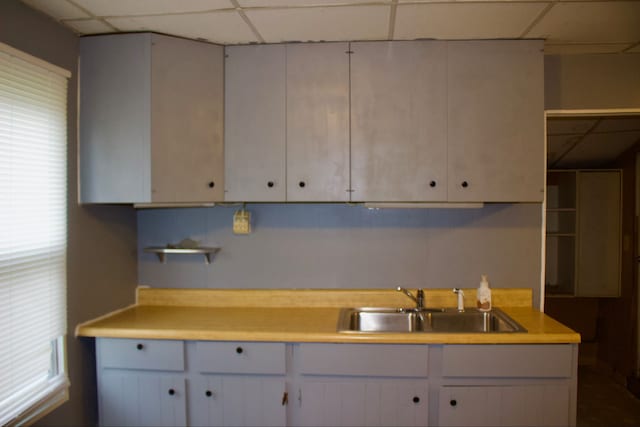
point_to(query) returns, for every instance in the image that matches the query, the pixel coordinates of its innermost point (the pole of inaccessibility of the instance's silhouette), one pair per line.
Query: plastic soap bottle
(484, 295)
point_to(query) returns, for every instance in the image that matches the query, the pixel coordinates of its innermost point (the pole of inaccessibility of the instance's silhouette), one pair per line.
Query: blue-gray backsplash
(346, 246)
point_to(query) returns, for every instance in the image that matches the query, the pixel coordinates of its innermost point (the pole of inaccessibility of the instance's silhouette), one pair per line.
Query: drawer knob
(171, 392)
(464, 184)
(416, 399)
(212, 184)
(208, 393)
(239, 350)
(453, 402)
(302, 184)
(432, 184)
(270, 184)
(140, 346)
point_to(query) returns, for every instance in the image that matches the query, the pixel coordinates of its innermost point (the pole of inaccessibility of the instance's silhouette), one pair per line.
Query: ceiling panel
(582, 48)
(618, 124)
(611, 21)
(58, 9)
(311, 24)
(465, 20)
(89, 26)
(220, 27)
(280, 3)
(569, 125)
(558, 144)
(599, 148)
(150, 7)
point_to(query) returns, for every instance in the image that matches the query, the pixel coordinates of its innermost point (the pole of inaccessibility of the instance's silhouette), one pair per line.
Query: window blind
(33, 233)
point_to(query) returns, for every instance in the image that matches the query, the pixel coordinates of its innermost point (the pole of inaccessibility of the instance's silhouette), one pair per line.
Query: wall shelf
(162, 252)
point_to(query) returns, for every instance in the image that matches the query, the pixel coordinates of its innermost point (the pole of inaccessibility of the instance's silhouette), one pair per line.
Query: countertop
(304, 316)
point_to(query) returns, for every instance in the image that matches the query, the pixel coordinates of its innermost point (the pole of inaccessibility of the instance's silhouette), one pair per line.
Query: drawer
(542, 361)
(240, 357)
(141, 354)
(364, 359)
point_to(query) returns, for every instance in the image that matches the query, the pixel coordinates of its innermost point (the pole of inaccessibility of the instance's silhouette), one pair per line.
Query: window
(33, 235)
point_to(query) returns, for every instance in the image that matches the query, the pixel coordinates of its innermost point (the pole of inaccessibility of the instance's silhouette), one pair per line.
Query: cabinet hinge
(348, 52)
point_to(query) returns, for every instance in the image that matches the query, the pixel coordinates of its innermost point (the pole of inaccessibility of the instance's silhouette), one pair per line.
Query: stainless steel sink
(429, 320)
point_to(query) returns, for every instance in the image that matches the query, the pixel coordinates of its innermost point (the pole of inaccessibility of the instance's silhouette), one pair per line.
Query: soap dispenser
(484, 295)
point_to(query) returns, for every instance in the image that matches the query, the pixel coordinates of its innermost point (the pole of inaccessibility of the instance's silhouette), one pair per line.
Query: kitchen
(315, 239)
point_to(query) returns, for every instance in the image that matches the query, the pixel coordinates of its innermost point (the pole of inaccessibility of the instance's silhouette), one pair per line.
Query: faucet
(419, 298)
(460, 294)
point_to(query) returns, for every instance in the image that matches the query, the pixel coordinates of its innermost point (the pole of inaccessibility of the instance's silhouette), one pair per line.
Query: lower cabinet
(512, 405)
(202, 383)
(370, 402)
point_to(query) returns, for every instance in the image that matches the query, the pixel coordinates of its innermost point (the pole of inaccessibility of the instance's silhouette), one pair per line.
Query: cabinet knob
(239, 350)
(208, 393)
(171, 392)
(302, 184)
(453, 402)
(432, 184)
(212, 184)
(416, 399)
(464, 184)
(270, 184)
(140, 346)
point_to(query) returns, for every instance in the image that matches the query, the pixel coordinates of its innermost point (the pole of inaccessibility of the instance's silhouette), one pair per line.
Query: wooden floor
(603, 402)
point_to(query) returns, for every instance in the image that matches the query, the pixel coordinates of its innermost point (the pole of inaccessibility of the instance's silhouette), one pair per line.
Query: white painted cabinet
(399, 121)
(255, 123)
(495, 121)
(318, 122)
(151, 119)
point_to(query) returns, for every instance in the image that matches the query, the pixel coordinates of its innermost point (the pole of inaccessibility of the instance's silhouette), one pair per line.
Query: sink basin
(441, 320)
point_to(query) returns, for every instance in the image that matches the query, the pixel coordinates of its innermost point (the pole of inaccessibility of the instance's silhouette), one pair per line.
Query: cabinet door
(136, 399)
(399, 121)
(187, 120)
(238, 401)
(115, 117)
(338, 402)
(255, 123)
(318, 122)
(495, 121)
(526, 405)
(599, 223)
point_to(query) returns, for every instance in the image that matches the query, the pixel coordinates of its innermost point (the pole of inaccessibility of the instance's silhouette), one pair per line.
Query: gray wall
(343, 246)
(101, 273)
(592, 81)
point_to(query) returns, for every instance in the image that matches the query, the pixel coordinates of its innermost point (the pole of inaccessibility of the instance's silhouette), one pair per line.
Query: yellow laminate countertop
(303, 316)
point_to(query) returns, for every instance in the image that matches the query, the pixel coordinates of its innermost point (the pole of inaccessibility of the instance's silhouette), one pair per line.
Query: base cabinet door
(141, 399)
(363, 402)
(234, 400)
(513, 405)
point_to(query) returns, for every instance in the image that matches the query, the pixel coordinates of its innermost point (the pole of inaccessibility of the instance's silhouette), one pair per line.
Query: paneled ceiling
(589, 142)
(566, 26)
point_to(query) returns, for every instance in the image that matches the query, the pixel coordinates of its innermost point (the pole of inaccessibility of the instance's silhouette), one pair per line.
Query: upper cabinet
(287, 115)
(151, 119)
(399, 121)
(318, 122)
(495, 121)
(255, 120)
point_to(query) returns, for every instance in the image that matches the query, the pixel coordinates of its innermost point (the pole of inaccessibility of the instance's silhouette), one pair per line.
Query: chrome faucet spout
(418, 299)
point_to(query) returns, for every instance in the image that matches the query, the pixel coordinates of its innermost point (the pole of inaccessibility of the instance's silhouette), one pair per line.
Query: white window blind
(33, 234)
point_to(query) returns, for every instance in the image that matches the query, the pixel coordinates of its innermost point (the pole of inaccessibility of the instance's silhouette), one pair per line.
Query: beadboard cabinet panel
(255, 123)
(399, 121)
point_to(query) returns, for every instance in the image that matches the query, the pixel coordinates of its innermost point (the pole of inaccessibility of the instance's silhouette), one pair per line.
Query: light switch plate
(242, 222)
